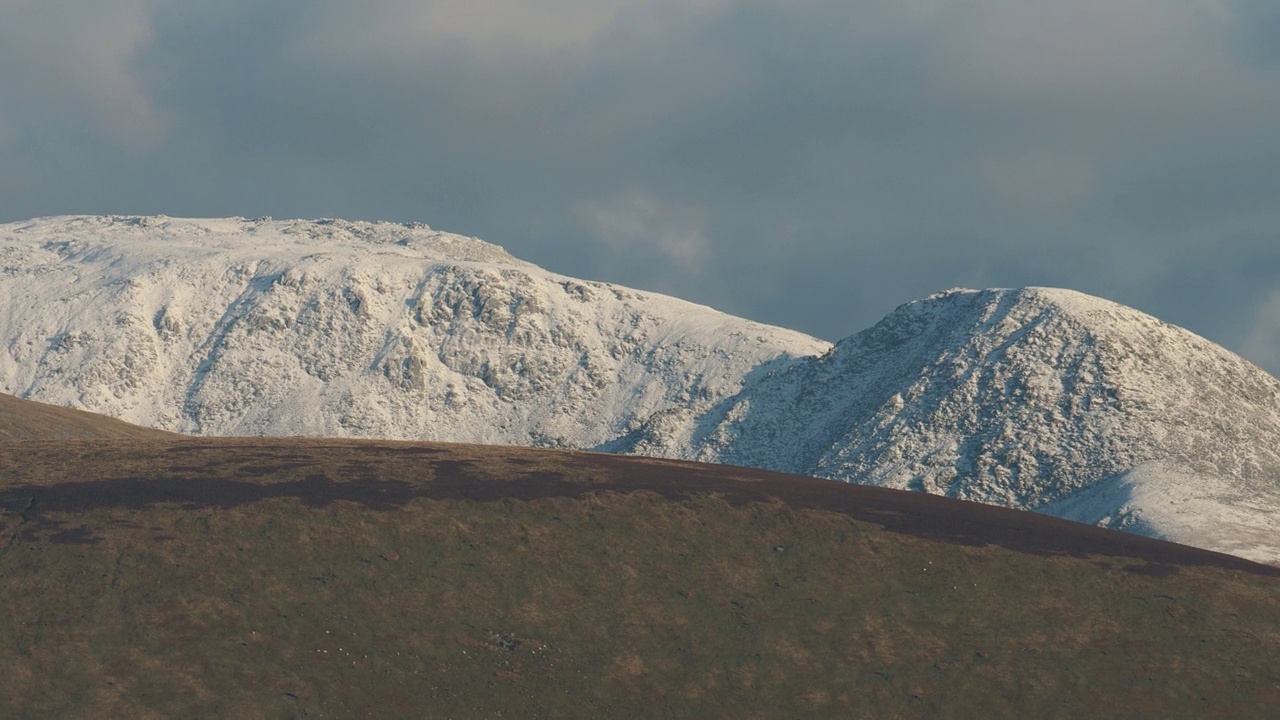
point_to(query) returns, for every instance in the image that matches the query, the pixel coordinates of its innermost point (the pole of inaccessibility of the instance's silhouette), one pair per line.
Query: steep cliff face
(254, 327)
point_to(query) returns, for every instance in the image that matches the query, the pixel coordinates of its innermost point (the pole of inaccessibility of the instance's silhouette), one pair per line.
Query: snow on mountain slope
(350, 329)
(1035, 398)
(1157, 500)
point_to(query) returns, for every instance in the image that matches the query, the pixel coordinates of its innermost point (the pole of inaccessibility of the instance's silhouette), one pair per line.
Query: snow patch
(1165, 502)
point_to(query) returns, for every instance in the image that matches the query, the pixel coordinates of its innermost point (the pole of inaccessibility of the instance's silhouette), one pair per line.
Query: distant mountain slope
(1034, 398)
(28, 420)
(334, 328)
(1038, 399)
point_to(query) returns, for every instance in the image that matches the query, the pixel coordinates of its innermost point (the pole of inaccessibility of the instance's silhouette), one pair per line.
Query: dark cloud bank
(810, 164)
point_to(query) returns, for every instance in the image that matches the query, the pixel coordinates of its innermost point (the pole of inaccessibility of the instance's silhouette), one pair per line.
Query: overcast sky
(808, 163)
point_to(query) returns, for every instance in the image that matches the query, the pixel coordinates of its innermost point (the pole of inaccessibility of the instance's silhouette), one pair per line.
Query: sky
(806, 163)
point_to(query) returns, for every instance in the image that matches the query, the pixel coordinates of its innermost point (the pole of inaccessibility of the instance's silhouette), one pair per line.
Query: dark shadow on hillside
(384, 477)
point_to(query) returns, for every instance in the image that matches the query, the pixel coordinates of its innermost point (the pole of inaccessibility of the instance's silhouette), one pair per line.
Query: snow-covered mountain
(259, 327)
(1035, 398)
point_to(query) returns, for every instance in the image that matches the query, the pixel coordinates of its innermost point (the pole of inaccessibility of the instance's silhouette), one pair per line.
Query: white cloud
(635, 222)
(488, 29)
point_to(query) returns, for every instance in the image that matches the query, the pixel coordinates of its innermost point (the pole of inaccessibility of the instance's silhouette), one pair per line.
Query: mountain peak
(997, 304)
(1019, 397)
(77, 235)
(1034, 398)
(338, 328)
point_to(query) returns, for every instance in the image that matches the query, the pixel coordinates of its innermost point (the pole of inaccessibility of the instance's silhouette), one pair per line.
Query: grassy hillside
(27, 420)
(293, 578)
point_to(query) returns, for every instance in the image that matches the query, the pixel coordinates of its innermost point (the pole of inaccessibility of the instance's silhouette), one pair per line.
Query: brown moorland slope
(312, 578)
(29, 420)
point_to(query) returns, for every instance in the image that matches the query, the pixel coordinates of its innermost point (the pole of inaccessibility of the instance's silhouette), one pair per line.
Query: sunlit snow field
(1030, 398)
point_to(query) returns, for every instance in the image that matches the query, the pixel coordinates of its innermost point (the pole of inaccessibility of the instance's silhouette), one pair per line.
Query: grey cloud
(1256, 32)
(809, 163)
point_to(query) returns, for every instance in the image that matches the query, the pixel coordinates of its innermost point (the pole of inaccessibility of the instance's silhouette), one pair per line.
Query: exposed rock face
(1031, 398)
(258, 327)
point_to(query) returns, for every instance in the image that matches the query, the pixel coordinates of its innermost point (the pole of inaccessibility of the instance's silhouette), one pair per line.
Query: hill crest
(255, 577)
(1027, 398)
(1023, 398)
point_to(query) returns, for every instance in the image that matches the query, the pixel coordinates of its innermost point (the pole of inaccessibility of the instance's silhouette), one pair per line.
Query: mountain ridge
(1028, 398)
(238, 327)
(1033, 398)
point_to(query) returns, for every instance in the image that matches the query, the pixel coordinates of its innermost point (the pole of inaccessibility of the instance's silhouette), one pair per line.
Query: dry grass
(271, 578)
(27, 420)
